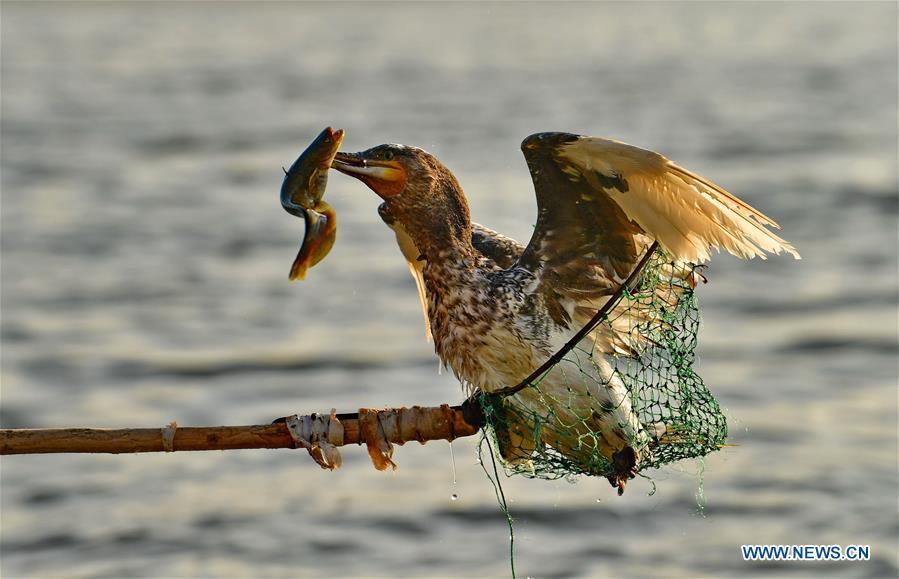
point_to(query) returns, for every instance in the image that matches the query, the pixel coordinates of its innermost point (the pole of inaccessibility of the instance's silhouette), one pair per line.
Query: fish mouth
(329, 141)
(335, 137)
(386, 178)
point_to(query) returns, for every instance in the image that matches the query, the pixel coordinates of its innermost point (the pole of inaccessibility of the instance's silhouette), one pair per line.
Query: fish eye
(388, 155)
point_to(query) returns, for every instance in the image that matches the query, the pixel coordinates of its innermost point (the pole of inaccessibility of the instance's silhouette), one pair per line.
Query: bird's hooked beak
(386, 178)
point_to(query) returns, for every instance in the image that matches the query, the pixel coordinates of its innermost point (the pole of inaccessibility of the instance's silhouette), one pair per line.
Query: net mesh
(582, 415)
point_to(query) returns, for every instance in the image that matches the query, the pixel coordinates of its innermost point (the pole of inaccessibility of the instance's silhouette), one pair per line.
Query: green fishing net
(559, 431)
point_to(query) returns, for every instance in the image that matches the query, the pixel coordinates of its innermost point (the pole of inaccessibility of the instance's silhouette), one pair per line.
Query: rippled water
(145, 260)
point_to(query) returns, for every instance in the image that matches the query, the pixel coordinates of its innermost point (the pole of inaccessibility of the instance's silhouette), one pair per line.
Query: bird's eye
(388, 155)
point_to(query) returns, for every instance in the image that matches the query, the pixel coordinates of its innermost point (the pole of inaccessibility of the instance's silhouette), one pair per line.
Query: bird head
(418, 192)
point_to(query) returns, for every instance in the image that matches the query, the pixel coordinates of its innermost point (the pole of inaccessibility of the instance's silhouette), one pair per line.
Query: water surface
(145, 260)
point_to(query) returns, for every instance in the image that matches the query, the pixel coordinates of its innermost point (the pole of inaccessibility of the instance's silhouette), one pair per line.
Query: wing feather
(601, 203)
(504, 251)
(686, 213)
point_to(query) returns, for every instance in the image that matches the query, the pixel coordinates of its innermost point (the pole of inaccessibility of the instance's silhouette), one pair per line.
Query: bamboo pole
(417, 423)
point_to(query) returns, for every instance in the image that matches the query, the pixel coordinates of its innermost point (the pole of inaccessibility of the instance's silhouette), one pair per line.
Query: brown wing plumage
(504, 251)
(601, 203)
(583, 245)
(686, 213)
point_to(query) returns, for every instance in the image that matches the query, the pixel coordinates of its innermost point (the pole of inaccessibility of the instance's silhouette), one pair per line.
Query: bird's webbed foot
(626, 462)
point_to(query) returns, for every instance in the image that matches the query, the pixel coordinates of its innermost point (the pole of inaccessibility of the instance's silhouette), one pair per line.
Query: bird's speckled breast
(482, 320)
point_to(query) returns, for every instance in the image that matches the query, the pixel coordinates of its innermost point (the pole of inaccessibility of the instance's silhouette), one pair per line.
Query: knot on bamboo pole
(377, 429)
(168, 436)
(374, 426)
(320, 435)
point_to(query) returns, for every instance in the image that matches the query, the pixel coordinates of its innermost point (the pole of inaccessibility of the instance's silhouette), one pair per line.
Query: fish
(321, 231)
(301, 196)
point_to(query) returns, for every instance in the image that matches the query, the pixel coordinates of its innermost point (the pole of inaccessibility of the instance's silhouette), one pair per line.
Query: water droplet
(453, 459)
(454, 497)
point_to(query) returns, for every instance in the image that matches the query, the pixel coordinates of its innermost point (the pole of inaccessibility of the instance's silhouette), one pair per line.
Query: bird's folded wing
(504, 251)
(601, 203)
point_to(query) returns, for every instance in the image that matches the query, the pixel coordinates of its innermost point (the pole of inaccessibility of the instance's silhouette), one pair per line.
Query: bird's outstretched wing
(601, 203)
